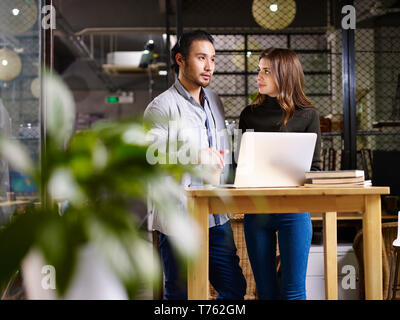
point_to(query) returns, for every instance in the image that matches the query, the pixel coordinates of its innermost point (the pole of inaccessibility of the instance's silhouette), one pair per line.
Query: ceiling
(196, 13)
(147, 20)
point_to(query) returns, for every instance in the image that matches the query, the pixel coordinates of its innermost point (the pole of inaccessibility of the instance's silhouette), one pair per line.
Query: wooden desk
(203, 201)
(13, 203)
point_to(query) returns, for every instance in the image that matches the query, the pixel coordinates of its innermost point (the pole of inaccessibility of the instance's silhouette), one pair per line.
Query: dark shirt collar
(271, 102)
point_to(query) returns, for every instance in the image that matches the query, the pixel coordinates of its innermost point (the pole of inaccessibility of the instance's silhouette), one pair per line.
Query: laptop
(274, 159)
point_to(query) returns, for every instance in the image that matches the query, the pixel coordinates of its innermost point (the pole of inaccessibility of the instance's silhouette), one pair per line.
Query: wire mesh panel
(277, 24)
(377, 58)
(235, 77)
(378, 87)
(243, 29)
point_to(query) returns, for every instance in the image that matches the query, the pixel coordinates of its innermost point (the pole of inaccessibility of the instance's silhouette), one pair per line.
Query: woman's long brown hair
(289, 79)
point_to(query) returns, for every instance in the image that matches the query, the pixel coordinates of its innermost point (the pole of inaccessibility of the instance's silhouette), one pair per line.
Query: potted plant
(82, 229)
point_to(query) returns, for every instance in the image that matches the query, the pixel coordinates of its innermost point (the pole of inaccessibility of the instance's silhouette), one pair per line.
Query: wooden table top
(13, 203)
(287, 191)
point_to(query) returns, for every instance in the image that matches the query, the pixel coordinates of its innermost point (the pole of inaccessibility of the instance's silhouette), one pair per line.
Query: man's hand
(213, 156)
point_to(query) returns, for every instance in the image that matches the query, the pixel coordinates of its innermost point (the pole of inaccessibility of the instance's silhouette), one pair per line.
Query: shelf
(13, 203)
(362, 133)
(386, 124)
(377, 133)
(117, 70)
(332, 133)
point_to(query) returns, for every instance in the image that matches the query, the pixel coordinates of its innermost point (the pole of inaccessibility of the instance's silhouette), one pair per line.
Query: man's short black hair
(183, 44)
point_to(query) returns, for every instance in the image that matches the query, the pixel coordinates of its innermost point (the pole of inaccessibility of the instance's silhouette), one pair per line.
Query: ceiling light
(10, 66)
(273, 7)
(35, 87)
(267, 15)
(252, 59)
(21, 17)
(149, 45)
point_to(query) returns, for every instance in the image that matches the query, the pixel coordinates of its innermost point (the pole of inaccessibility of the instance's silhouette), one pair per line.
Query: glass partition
(20, 63)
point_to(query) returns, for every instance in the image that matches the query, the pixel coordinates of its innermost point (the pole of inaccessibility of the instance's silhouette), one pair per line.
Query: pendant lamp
(10, 64)
(274, 14)
(252, 58)
(17, 16)
(35, 87)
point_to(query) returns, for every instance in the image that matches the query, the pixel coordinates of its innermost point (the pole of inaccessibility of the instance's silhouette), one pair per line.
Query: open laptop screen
(274, 159)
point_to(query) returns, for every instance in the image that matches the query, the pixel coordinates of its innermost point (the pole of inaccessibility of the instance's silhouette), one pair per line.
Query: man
(187, 99)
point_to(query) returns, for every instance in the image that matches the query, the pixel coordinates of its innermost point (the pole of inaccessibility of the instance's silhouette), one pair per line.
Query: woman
(280, 105)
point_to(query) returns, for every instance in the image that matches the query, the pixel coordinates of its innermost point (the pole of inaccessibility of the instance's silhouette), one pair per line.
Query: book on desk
(337, 178)
(334, 174)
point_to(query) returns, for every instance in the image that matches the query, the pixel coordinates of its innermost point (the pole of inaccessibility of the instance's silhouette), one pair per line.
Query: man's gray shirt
(176, 104)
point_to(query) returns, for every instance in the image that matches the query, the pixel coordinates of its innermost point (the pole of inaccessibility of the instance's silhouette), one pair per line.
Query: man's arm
(158, 134)
(158, 120)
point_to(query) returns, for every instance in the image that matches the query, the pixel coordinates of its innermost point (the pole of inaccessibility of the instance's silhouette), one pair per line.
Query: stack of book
(338, 179)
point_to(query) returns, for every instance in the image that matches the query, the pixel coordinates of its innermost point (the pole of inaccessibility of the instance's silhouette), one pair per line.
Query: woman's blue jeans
(294, 238)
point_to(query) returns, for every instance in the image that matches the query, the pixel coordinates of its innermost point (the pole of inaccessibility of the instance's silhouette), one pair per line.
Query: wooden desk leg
(198, 287)
(372, 242)
(330, 255)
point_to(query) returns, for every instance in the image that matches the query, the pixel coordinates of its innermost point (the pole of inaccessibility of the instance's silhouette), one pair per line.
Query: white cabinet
(348, 279)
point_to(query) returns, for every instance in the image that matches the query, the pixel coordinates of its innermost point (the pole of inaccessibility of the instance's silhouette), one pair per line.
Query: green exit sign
(112, 99)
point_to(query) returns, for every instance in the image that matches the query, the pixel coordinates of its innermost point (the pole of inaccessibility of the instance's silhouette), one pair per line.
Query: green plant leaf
(60, 109)
(100, 171)
(16, 239)
(252, 95)
(14, 153)
(59, 240)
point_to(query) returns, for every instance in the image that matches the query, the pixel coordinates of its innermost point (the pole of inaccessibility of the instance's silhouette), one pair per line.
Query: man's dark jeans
(225, 274)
